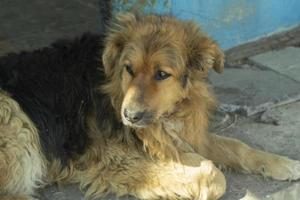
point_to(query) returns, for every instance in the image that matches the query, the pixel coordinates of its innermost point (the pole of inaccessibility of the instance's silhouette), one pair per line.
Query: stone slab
(285, 61)
(249, 90)
(240, 54)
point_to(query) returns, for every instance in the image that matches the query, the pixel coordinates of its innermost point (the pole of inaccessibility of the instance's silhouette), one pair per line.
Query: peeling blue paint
(230, 22)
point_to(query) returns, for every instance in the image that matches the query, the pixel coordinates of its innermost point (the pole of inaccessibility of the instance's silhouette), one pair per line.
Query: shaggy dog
(134, 123)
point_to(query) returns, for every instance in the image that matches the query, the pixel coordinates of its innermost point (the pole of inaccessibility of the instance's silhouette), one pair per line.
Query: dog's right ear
(118, 34)
(203, 52)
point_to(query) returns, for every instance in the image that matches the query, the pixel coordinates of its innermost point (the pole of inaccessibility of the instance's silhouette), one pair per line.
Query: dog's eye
(129, 69)
(161, 75)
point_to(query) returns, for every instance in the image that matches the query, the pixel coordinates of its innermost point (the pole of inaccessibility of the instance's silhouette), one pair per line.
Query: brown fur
(173, 161)
(181, 112)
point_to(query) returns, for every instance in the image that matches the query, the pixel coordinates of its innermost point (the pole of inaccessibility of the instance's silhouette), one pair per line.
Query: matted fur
(135, 123)
(23, 165)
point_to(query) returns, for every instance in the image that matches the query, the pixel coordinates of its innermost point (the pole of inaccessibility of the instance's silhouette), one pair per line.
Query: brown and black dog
(134, 124)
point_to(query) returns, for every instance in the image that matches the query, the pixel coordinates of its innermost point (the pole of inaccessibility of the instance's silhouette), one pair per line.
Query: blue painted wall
(229, 22)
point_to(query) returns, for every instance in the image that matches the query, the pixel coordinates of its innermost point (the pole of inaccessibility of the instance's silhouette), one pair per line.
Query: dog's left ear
(203, 52)
(118, 34)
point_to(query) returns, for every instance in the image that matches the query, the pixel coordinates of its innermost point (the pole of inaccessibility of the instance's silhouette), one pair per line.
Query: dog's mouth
(137, 119)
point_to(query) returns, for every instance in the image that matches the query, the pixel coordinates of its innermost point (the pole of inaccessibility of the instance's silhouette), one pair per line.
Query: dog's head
(151, 61)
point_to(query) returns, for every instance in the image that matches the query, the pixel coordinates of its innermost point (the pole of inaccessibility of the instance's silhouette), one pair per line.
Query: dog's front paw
(284, 169)
(211, 181)
(293, 170)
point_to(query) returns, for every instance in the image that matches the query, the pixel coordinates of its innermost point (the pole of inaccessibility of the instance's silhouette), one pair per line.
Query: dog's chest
(172, 126)
(175, 129)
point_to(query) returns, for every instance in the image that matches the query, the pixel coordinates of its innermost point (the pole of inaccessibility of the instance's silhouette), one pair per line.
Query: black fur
(55, 86)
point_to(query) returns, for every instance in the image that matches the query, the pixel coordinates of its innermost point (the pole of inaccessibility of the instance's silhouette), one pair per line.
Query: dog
(125, 112)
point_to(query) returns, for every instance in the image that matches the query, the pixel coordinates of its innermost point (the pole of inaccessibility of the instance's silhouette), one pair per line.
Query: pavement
(258, 94)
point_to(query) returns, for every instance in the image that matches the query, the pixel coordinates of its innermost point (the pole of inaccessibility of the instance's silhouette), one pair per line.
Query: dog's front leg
(235, 154)
(176, 181)
(128, 171)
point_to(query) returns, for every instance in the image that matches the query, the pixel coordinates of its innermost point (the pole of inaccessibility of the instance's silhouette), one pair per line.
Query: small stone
(269, 117)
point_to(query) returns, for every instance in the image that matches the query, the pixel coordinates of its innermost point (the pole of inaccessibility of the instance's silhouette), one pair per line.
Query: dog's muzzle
(136, 118)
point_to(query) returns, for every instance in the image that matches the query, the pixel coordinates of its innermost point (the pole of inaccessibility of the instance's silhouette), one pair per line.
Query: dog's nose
(133, 117)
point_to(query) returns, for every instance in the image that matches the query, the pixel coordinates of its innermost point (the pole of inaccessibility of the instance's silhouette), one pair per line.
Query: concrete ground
(259, 94)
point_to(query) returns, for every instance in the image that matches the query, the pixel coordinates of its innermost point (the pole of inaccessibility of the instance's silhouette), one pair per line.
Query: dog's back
(54, 87)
